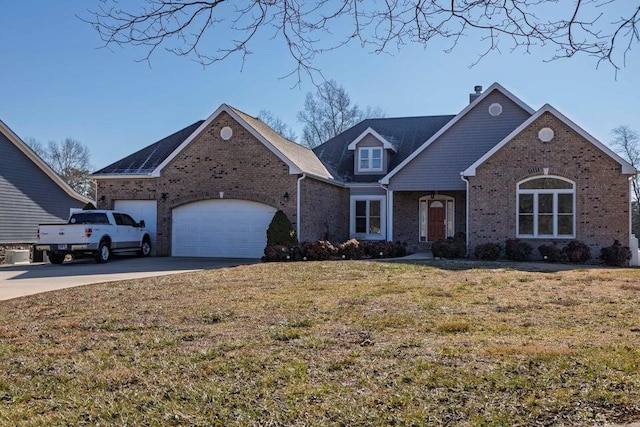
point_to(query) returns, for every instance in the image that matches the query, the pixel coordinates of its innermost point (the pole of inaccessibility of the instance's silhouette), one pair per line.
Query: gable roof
(626, 167)
(427, 142)
(145, 161)
(385, 144)
(150, 161)
(31, 155)
(406, 134)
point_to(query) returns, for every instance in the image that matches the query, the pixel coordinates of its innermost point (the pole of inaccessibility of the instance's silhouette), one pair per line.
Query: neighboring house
(32, 193)
(498, 169)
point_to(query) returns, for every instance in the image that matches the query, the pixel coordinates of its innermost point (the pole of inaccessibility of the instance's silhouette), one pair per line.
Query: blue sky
(56, 82)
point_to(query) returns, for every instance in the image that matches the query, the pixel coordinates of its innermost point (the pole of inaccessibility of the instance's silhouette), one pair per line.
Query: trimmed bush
(488, 251)
(615, 255)
(89, 207)
(351, 249)
(517, 250)
(320, 250)
(576, 252)
(280, 231)
(551, 253)
(276, 253)
(455, 247)
(384, 249)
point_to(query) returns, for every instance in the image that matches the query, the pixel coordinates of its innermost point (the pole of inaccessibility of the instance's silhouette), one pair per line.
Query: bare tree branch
(329, 112)
(212, 31)
(71, 160)
(626, 142)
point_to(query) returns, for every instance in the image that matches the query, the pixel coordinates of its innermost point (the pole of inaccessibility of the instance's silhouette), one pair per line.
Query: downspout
(389, 214)
(298, 216)
(466, 222)
(633, 240)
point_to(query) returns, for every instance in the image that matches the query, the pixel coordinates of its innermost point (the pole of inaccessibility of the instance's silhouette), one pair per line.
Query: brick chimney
(478, 91)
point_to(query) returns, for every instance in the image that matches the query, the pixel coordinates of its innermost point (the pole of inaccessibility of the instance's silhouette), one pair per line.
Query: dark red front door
(436, 220)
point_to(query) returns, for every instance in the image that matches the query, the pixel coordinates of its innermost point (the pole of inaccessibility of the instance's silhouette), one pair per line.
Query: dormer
(371, 153)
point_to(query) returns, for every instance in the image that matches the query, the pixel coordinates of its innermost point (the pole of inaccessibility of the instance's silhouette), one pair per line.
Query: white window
(546, 208)
(369, 159)
(368, 217)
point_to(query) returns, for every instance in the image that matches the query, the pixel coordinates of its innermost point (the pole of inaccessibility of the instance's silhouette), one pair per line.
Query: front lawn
(328, 343)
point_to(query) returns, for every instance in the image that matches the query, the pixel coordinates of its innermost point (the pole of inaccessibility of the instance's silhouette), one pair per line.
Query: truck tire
(145, 248)
(104, 253)
(56, 258)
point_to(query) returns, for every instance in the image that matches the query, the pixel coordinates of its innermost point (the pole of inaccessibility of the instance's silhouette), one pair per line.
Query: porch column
(389, 216)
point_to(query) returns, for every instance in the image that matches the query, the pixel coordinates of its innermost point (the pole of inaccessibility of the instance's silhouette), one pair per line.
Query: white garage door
(146, 210)
(221, 228)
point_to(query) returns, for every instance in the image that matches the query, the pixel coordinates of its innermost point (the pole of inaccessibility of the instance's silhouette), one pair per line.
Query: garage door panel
(221, 228)
(146, 210)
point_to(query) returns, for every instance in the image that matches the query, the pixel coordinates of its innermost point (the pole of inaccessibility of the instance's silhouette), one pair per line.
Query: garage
(146, 210)
(221, 228)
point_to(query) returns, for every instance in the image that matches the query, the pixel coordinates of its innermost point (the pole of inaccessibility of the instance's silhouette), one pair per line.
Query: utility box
(17, 256)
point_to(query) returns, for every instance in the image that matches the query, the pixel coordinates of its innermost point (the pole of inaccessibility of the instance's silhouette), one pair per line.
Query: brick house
(498, 169)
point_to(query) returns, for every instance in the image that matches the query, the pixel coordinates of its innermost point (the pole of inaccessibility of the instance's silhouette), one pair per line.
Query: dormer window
(370, 159)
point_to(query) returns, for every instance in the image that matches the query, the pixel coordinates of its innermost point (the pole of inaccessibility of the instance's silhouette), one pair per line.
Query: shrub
(276, 253)
(383, 249)
(351, 249)
(320, 250)
(615, 255)
(551, 253)
(449, 248)
(89, 207)
(280, 231)
(452, 247)
(490, 251)
(576, 251)
(517, 250)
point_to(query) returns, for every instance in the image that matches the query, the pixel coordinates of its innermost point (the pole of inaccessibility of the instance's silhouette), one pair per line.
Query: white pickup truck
(97, 233)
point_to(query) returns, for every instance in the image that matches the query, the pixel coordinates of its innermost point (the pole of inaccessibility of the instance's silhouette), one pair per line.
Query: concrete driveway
(18, 281)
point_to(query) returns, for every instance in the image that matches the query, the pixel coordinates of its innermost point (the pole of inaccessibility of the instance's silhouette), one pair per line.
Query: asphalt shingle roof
(405, 133)
(303, 157)
(145, 161)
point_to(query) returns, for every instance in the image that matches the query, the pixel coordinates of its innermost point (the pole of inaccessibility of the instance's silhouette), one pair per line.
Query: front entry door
(437, 223)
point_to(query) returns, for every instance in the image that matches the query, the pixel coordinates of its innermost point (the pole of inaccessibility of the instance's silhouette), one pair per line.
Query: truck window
(89, 218)
(118, 218)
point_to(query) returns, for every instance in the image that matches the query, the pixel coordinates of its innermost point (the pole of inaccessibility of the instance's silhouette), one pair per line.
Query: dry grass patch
(334, 343)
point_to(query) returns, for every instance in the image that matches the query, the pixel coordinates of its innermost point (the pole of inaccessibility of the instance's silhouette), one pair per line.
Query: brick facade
(324, 210)
(242, 168)
(406, 216)
(602, 191)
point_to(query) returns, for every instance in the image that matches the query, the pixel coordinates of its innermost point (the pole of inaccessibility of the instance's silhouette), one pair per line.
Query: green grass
(334, 343)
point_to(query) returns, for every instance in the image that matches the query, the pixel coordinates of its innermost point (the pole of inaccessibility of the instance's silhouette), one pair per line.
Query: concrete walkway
(29, 279)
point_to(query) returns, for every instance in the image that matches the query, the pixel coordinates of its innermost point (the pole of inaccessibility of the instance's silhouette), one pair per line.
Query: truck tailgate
(61, 234)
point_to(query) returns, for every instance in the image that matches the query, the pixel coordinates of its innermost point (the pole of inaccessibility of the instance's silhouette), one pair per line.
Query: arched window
(546, 207)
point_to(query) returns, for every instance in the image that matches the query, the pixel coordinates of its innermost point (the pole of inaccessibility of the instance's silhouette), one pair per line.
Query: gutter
(298, 219)
(389, 216)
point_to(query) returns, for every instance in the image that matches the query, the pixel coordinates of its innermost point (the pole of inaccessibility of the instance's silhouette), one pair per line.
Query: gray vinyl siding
(367, 191)
(27, 196)
(438, 167)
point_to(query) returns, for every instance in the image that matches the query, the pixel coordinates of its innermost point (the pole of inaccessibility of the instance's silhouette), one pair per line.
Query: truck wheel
(145, 248)
(104, 253)
(56, 258)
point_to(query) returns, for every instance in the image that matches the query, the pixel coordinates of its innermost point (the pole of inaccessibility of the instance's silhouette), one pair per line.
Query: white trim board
(293, 168)
(456, 119)
(370, 131)
(626, 167)
(31, 155)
